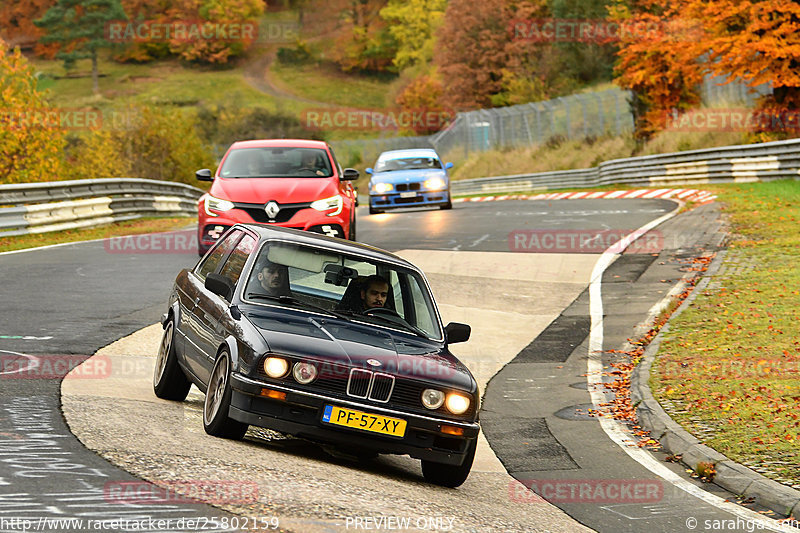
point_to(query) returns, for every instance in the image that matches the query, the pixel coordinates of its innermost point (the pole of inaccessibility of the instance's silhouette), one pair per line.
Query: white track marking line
(34, 362)
(616, 431)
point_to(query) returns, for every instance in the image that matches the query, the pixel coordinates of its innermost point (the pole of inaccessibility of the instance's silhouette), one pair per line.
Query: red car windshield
(276, 162)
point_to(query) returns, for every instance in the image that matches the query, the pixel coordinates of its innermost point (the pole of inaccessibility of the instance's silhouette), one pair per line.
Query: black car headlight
(276, 367)
(304, 373)
(432, 398)
(456, 403)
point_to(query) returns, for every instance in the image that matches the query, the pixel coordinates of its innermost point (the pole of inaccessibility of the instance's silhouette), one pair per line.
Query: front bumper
(420, 199)
(210, 228)
(301, 414)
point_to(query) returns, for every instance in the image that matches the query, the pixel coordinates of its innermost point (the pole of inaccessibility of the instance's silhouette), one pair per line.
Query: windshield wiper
(292, 300)
(403, 324)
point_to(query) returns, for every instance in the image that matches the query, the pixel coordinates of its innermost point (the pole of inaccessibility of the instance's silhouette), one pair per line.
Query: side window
(235, 263)
(213, 259)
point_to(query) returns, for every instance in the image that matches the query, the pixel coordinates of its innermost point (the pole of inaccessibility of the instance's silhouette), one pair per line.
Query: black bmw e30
(329, 340)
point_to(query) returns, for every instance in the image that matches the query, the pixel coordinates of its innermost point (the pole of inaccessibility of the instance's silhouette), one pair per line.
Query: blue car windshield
(277, 162)
(408, 163)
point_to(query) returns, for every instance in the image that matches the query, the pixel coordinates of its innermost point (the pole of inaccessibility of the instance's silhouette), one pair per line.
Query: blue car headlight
(434, 184)
(382, 188)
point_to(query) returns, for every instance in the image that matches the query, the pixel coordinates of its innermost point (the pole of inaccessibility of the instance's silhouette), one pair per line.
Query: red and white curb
(686, 195)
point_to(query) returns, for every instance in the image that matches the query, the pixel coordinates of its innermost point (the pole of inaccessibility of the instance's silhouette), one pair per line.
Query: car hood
(281, 190)
(408, 176)
(340, 342)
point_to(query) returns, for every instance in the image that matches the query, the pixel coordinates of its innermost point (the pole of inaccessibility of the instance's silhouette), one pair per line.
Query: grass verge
(729, 367)
(131, 227)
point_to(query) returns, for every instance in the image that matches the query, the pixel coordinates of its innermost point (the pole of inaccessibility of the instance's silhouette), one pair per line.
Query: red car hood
(281, 190)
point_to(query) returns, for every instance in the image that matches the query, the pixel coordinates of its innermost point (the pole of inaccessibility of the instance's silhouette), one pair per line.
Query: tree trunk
(95, 75)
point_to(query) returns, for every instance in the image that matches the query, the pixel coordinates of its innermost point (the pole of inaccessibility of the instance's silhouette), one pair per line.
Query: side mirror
(369, 170)
(350, 174)
(455, 332)
(448, 165)
(203, 175)
(220, 285)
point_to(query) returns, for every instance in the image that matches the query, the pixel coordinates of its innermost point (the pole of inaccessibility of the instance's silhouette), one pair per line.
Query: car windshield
(275, 162)
(407, 163)
(347, 286)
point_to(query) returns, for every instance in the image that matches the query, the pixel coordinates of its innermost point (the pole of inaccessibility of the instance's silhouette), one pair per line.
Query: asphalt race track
(511, 269)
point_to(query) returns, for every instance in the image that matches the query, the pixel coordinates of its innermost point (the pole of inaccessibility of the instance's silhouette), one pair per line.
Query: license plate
(411, 194)
(364, 421)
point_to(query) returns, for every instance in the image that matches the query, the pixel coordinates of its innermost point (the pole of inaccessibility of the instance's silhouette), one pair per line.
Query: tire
(373, 211)
(449, 475)
(448, 205)
(169, 381)
(216, 421)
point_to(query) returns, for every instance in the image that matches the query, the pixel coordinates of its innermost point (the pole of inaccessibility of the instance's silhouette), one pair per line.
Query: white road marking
(34, 363)
(478, 241)
(615, 430)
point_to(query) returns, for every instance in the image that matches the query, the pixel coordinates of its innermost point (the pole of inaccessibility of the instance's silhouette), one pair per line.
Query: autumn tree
(16, 22)
(584, 62)
(413, 25)
(478, 54)
(142, 142)
(756, 41)
(218, 49)
(80, 26)
(364, 42)
(31, 138)
(141, 12)
(657, 64)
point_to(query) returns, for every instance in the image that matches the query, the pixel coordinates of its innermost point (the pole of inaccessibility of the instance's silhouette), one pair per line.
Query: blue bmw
(409, 178)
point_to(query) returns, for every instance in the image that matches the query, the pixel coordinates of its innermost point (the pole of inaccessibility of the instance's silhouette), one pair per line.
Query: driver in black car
(375, 292)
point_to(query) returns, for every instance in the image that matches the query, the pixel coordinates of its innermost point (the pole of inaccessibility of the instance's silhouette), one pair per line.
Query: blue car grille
(402, 187)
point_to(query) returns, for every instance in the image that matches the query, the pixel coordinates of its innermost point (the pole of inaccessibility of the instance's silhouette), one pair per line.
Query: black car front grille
(343, 382)
(382, 385)
(358, 383)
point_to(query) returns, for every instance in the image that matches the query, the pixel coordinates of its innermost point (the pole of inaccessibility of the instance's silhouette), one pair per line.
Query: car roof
(414, 152)
(280, 143)
(266, 231)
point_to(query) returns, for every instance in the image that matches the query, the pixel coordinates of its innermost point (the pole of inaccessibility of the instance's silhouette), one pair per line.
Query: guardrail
(743, 163)
(61, 205)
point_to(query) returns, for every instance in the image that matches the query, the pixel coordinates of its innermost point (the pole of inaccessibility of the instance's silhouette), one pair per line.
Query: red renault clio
(287, 182)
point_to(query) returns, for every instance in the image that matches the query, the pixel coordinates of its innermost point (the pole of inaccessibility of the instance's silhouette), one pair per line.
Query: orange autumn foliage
(755, 41)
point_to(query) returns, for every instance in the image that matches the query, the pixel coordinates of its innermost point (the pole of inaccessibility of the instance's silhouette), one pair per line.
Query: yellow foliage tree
(31, 137)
